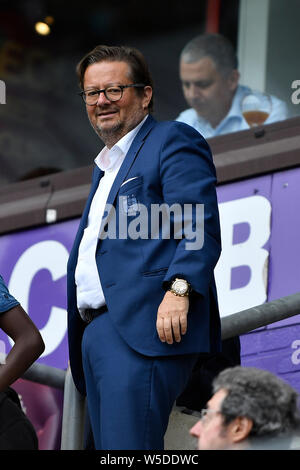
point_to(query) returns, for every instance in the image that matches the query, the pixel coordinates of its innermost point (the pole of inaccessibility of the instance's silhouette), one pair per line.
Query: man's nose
(102, 100)
(196, 429)
(193, 91)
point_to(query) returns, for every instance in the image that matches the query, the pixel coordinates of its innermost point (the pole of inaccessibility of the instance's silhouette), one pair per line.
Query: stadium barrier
(74, 406)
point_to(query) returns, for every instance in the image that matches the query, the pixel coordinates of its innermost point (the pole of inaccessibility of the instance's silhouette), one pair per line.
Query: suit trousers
(129, 396)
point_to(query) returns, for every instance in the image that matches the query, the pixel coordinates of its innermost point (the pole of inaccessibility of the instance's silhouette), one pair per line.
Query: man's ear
(240, 428)
(147, 96)
(233, 79)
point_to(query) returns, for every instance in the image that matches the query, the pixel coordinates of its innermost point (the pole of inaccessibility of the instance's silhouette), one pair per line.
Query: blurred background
(43, 123)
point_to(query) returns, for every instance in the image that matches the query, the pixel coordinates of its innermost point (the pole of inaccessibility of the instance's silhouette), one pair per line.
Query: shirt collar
(109, 159)
(235, 110)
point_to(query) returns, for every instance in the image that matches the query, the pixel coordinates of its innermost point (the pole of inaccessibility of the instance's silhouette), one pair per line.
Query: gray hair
(261, 396)
(215, 46)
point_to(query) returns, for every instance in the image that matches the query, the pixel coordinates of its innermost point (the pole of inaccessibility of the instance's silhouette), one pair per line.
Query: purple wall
(34, 263)
(260, 261)
(277, 346)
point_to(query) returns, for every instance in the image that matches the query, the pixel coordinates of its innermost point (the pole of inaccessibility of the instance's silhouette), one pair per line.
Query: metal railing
(271, 312)
(46, 375)
(232, 325)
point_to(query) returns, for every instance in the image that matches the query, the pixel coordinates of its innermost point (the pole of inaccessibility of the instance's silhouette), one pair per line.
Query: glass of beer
(256, 108)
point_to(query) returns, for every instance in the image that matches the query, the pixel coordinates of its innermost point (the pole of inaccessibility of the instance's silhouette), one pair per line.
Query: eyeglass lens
(111, 93)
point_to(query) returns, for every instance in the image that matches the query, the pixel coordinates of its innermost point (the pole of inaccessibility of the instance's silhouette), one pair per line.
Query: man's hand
(171, 320)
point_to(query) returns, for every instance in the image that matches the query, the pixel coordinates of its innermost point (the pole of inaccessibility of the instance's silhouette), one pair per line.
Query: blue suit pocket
(132, 183)
(156, 272)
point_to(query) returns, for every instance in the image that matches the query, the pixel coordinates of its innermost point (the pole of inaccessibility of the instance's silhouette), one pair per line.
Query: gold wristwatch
(180, 287)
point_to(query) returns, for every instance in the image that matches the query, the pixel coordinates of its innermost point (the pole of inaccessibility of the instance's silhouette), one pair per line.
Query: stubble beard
(114, 133)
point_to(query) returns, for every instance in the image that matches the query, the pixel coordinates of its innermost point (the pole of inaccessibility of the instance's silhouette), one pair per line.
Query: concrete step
(177, 436)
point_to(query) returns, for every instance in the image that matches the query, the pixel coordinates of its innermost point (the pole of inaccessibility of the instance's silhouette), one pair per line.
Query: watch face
(180, 286)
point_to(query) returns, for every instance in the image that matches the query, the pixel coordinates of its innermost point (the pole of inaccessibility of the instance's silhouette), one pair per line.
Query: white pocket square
(127, 181)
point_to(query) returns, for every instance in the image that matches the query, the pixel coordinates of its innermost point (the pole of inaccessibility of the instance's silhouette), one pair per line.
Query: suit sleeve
(189, 179)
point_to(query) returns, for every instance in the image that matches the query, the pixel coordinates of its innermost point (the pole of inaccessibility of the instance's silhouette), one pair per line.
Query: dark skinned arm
(27, 348)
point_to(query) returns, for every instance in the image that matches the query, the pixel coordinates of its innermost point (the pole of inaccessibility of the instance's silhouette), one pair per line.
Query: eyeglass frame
(204, 413)
(131, 85)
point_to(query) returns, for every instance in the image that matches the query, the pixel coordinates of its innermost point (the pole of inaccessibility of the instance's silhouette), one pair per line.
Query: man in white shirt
(210, 82)
(140, 308)
(89, 290)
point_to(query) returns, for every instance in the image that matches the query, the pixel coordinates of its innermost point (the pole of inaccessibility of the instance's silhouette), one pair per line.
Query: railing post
(73, 416)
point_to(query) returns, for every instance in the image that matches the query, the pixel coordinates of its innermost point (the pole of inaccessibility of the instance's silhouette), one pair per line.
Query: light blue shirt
(233, 121)
(7, 301)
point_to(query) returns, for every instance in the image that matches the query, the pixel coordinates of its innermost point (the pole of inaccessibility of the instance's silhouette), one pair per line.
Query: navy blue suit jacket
(170, 163)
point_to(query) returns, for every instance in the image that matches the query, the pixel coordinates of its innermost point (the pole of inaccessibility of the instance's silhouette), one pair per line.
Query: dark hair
(215, 46)
(139, 72)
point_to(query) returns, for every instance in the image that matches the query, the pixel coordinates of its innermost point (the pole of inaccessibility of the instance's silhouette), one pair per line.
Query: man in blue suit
(142, 301)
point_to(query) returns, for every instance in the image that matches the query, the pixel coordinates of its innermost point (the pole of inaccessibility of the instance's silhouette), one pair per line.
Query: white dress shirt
(89, 290)
(233, 121)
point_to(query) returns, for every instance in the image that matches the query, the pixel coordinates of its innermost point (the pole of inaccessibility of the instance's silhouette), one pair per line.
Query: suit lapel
(97, 175)
(122, 173)
(130, 157)
(127, 163)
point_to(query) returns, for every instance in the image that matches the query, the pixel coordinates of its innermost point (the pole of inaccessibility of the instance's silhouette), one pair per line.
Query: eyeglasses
(111, 93)
(206, 412)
